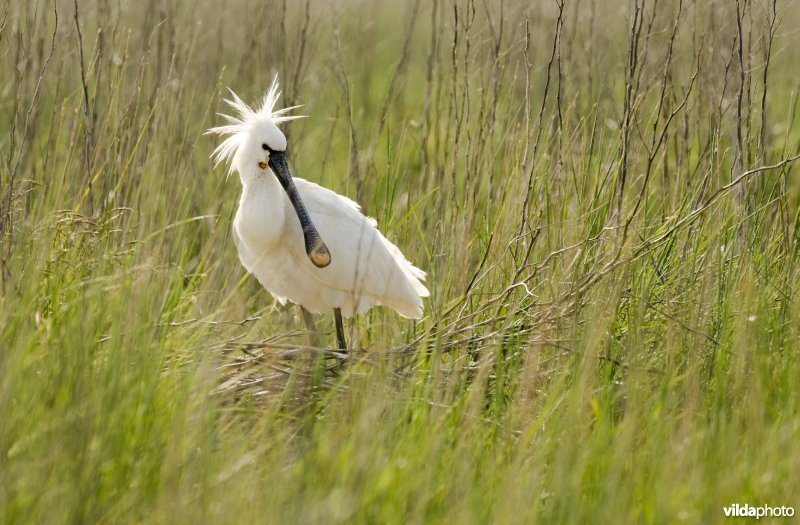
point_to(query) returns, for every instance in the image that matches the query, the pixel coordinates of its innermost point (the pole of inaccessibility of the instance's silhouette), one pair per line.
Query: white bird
(303, 242)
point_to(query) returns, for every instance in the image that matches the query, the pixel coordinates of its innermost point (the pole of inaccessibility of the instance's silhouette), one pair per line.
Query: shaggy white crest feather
(246, 118)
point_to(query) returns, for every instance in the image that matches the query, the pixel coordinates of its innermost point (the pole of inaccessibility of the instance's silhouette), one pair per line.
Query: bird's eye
(264, 147)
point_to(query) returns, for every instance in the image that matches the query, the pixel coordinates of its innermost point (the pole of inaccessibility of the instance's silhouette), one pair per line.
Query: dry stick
(773, 28)
(459, 107)
(762, 136)
(291, 89)
(526, 138)
(431, 61)
(300, 55)
(87, 126)
(346, 93)
(713, 198)
(633, 64)
(560, 76)
(559, 130)
(536, 270)
(553, 52)
(282, 38)
(22, 58)
(195, 320)
(787, 238)
(498, 40)
(739, 160)
(7, 218)
(398, 69)
(749, 88)
(569, 300)
(664, 77)
(528, 67)
(474, 280)
(497, 299)
(657, 139)
(466, 107)
(676, 320)
(439, 150)
(648, 245)
(5, 19)
(646, 44)
(716, 127)
(484, 152)
(526, 203)
(288, 348)
(453, 114)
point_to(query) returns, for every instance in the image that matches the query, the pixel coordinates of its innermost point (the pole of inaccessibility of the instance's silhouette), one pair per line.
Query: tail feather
(414, 275)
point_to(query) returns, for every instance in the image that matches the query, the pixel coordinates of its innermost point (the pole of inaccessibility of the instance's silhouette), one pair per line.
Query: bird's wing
(364, 264)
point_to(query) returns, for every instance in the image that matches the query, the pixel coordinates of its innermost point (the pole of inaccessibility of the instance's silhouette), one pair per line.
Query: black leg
(313, 335)
(337, 314)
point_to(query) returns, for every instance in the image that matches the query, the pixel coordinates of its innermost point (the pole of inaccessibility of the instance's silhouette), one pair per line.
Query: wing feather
(365, 266)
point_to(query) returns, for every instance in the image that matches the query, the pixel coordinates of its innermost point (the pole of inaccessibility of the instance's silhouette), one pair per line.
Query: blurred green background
(611, 333)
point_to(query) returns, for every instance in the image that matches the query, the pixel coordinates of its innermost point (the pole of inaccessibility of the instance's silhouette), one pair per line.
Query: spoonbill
(305, 243)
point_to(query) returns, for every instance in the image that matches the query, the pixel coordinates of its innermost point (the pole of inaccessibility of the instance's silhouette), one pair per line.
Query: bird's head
(251, 135)
(255, 147)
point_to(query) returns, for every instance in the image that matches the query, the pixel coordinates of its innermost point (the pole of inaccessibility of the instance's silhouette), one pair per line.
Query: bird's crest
(246, 117)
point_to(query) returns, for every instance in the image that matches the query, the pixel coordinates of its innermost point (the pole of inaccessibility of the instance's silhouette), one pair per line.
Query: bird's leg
(313, 335)
(337, 315)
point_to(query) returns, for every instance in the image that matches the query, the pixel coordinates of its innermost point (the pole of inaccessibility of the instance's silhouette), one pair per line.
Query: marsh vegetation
(604, 195)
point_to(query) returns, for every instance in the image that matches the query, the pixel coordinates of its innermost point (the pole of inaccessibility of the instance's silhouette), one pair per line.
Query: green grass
(594, 349)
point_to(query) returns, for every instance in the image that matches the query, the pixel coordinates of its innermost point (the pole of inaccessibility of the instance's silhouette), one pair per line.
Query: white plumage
(364, 269)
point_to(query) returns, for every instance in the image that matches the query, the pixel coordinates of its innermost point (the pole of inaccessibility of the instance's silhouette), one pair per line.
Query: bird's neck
(260, 218)
(262, 186)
